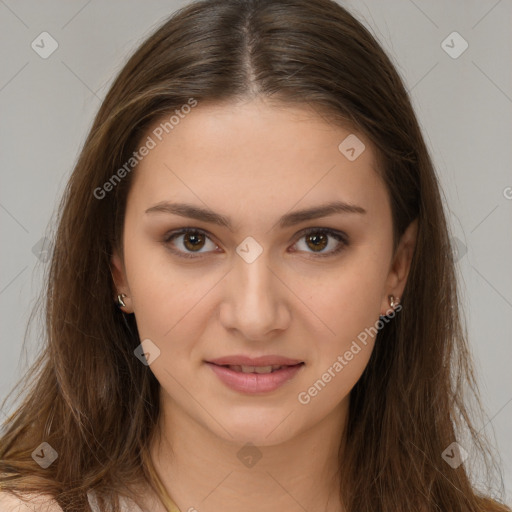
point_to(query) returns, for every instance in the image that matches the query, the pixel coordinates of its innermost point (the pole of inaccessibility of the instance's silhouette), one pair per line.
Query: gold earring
(393, 301)
(120, 302)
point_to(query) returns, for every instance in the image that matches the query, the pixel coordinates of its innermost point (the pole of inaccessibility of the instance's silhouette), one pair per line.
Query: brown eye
(317, 239)
(193, 241)
(188, 241)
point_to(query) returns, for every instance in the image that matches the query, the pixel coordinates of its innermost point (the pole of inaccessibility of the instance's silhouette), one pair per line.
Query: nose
(255, 301)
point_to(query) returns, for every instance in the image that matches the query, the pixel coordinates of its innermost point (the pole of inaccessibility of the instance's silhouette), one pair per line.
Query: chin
(257, 427)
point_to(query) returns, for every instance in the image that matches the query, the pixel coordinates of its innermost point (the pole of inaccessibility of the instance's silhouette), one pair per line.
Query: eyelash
(339, 236)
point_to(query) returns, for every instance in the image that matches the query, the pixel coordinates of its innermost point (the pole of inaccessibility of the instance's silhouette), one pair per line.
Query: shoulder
(44, 503)
(30, 503)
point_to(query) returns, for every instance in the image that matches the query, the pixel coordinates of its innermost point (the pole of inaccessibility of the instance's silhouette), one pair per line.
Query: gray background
(463, 104)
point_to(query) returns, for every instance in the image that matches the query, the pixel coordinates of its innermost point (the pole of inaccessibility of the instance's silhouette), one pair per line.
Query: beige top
(44, 503)
(39, 503)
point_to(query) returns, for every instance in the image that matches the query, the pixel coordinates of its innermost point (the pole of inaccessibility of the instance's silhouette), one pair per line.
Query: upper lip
(241, 360)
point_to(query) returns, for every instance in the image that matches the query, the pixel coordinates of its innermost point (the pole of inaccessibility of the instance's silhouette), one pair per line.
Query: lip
(241, 360)
(255, 383)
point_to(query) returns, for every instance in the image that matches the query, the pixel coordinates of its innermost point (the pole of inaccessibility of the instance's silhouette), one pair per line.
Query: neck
(204, 472)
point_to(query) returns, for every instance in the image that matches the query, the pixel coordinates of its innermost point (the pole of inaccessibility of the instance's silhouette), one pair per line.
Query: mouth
(252, 379)
(257, 369)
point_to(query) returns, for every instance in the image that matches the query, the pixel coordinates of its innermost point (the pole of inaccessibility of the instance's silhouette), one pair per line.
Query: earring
(393, 301)
(120, 302)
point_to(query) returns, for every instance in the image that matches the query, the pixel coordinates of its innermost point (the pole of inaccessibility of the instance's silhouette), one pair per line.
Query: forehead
(255, 155)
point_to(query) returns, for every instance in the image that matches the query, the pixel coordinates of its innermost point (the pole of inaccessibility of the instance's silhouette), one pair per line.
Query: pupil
(317, 240)
(193, 240)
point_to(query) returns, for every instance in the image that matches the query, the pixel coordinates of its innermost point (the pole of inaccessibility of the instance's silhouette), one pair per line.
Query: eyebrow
(287, 220)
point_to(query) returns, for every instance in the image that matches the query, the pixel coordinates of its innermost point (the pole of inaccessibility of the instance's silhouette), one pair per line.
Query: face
(253, 277)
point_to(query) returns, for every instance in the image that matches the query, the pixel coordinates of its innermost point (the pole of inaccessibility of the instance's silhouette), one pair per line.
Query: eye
(317, 239)
(194, 240)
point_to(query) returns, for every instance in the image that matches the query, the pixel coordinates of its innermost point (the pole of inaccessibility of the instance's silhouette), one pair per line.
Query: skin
(254, 162)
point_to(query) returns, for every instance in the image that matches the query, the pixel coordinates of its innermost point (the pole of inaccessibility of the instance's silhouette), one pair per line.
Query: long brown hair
(92, 400)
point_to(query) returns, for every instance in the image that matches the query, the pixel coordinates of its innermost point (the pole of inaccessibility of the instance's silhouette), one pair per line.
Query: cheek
(161, 291)
(169, 299)
(348, 303)
(350, 310)
(348, 298)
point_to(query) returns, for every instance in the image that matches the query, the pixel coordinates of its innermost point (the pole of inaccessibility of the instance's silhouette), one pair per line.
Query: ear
(399, 271)
(120, 281)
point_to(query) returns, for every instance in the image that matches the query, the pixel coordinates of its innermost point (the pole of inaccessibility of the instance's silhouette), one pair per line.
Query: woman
(252, 301)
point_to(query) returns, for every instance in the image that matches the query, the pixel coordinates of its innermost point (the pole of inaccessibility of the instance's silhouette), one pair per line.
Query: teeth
(255, 369)
(262, 369)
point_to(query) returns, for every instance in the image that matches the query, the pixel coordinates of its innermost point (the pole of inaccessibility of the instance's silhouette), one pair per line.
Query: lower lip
(253, 383)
